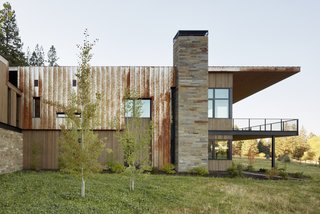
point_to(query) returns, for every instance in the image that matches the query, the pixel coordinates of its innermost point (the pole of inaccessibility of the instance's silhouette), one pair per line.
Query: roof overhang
(248, 80)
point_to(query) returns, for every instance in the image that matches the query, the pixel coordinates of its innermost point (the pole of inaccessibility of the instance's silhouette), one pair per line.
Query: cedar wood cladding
(55, 84)
(3, 90)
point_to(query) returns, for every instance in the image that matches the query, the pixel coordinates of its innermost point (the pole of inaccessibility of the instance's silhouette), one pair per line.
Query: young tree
(314, 143)
(309, 155)
(250, 149)
(135, 139)
(299, 149)
(10, 42)
(237, 147)
(264, 147)
(37, 57)
(52, 56)
(80, 147)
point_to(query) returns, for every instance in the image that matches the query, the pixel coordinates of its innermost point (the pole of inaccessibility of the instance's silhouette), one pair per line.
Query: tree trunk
(131, 184)
(83, 187)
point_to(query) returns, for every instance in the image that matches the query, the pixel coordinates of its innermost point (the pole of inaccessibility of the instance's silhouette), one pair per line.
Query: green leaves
(10, 42)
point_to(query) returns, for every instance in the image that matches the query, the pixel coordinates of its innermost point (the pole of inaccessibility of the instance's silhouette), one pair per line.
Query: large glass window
(36, 107)
(219, 103)
(219, 150)
(141, 107)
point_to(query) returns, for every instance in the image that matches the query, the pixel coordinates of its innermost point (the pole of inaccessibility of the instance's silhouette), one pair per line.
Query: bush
(115, 167)
(282, 173)
(272, 173)
(263, 170)
(199, 171)
(235, 170)
(297, 175)
(262, 155)
(284, 158)
(147, 169)
(168, 169)
(250, 168)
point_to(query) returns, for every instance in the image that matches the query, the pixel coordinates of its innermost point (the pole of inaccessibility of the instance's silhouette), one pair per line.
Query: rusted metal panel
(55, 84)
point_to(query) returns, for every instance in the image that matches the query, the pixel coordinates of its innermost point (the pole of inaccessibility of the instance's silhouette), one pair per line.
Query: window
(219, 103)
(9, 106)
(142, 107)
(74, 83)
(36, 107)
(61, 115)
(36, 83)
(18, 106)
(219, 150)
(13, 77)
(64, 115)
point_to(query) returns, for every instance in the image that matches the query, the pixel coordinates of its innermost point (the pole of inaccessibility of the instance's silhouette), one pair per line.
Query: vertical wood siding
(3, 90)
(220, 80)
(55, 84)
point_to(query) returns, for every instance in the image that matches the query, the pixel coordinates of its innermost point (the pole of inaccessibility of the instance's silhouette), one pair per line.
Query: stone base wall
(11, 151)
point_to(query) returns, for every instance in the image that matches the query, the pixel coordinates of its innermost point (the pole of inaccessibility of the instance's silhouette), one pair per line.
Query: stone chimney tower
(190, 61)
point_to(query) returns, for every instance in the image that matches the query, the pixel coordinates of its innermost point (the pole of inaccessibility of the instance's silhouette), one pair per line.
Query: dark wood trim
(243, 135)
(9, 127)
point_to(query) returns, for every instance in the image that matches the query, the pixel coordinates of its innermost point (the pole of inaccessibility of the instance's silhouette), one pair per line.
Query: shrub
(298, 175)
(262, 155)
(284, 158)
(272, 173)
(282, 173)
(199, 171)
(263, 170)
(115, 167)
(168, 169)
(235, 170)
(147, 169)
(250, 168)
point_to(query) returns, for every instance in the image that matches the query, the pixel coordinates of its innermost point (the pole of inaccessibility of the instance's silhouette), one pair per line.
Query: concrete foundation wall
(11, 151)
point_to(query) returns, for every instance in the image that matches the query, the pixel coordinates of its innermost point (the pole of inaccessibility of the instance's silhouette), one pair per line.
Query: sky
(243, 33)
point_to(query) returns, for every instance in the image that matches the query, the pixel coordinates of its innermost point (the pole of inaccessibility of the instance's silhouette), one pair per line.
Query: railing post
(249, 125)
(281, 125)
(265, 124)
(232, 124)
(273, 155)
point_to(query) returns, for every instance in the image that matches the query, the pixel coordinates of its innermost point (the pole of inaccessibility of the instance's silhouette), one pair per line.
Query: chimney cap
(191, 33)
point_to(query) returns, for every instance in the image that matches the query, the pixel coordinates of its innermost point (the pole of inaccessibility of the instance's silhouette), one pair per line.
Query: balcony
(257, 128)
(254, 128)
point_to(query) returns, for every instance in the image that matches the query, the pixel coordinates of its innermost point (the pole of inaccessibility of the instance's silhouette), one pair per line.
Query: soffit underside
(248, 80)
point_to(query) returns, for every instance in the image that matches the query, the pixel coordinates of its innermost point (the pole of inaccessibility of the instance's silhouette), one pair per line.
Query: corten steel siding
(55, 84)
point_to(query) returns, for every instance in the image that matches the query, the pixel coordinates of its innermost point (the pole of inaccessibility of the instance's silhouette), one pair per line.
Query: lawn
(54, 192)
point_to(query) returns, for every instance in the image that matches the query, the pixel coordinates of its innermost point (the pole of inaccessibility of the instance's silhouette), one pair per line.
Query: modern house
(190, 105)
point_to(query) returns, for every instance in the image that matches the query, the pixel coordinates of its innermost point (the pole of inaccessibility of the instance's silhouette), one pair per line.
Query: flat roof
(190, 33)
(248, 80)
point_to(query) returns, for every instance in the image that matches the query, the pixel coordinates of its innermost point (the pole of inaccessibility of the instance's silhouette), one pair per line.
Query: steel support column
(273, 147)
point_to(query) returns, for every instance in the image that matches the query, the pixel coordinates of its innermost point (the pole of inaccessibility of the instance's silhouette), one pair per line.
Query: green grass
(307, 169)
(54, 192)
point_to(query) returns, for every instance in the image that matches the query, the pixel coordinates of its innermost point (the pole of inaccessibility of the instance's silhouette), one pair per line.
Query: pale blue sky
(247, 32)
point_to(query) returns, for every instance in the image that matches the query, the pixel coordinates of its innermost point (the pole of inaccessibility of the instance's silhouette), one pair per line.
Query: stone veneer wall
(190, 58)
(11, 151)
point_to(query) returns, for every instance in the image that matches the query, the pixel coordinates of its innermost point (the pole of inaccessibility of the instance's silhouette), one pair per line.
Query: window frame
(34, 107)
(213, 155)
(150, 109)
(213, 100)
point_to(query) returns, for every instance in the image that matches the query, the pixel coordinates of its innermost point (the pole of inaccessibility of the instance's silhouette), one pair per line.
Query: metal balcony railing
(265, 124)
